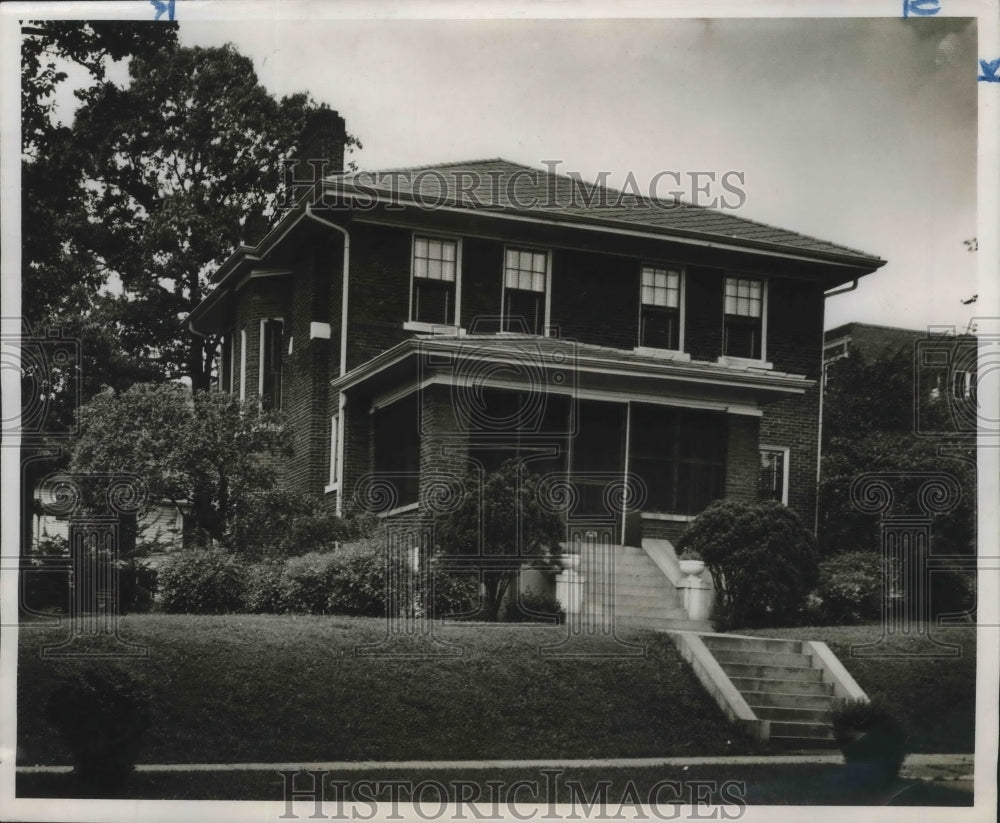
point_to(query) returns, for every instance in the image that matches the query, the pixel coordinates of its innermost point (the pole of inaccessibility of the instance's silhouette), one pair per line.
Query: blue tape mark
(162, 7)
(990, 69)
(921, 8)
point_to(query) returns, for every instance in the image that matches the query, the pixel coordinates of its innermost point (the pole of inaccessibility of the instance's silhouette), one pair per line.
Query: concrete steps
(782, 684)
(642, 596)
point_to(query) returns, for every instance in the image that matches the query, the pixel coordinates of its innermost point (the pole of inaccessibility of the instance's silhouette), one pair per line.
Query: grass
(806, 784)
(262, 688)
(936, 698)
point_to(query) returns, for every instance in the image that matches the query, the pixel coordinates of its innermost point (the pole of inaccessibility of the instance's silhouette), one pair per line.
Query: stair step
(791, 712)
(809, 731)
(774, 685)
(754, 670)
(824, 702)
(762, 658)
(753, 644)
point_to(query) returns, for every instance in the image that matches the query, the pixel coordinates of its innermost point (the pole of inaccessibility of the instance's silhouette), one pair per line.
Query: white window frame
(243, 364)
(336, 434)
(547, 310)
(655, 351)
(762, 361)
(785, 463)
(416, 325)
(260, 354)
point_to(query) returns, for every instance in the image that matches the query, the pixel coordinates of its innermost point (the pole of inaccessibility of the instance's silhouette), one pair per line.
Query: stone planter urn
(692, 567)
(569, 562)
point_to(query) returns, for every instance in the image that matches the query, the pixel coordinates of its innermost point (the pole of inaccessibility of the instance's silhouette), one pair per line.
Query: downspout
(342, 400)
(822, 392)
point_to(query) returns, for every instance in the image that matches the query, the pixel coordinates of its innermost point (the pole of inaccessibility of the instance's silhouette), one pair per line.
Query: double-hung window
(660, 320)
(435, 275)
(773, 474)
(743, 328)
(525, 282)
(271, 350)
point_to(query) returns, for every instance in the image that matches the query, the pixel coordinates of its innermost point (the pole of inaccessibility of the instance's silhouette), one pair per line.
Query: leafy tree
(176, 162)
(207, 450)
(868, 425)
(763, 560)
(501, 521)
(59, 271)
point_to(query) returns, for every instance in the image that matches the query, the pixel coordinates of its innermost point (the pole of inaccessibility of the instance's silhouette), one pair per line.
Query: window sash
(744, 297)
(772, 475)
(334, 449)
(525, 270)
(661, 287)
(272, 348)
(435, 259)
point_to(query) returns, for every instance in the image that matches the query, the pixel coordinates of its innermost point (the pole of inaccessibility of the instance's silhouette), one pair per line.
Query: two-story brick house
(415, 322)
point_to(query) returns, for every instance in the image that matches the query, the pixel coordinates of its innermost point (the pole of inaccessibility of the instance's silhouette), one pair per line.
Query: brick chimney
(323, 141)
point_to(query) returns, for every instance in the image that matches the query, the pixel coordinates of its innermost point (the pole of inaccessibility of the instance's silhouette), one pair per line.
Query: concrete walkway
(923, 766)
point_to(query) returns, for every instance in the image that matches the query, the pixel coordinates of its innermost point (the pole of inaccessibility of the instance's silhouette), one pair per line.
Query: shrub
(762, 559)
(101, 713)
(535, 607)
(281, 523)
(136, 586)
(850, 588)
(451, 593)
(265, 591)
(306, 582)
(870, 733)
(360, 585)
(202, 581)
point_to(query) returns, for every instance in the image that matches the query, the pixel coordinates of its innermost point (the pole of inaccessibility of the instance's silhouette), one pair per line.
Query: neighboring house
(945, 361)
(413, 323)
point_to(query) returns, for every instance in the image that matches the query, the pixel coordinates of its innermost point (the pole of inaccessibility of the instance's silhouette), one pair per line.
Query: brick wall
(742, 457)
(703, 316)
(595, 298)
(379, 290)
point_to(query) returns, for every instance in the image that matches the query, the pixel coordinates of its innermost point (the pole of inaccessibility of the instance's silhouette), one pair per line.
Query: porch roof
(564, 366)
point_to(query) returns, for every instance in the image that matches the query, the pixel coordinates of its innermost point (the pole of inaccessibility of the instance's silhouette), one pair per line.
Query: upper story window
(743, 328)
(524, 293)
(660, 318)
(434, 297)
(271, 350)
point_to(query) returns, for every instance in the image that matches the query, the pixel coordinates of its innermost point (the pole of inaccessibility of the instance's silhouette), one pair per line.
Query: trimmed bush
(306, 582)
(265, 592)
(281, 523)
(870, 734)
(101, 712)
(850, 588)
(763, 560)
(202, 581)
(451, 593)
(535, 607)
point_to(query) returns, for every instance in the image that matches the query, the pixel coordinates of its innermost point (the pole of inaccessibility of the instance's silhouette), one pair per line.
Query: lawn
(255, 688)
(936, 697)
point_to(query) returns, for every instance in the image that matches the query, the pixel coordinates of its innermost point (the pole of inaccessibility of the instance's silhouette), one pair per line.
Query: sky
(861, 132)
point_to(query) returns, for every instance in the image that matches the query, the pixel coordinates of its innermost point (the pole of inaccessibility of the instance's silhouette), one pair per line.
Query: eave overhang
(564, 367)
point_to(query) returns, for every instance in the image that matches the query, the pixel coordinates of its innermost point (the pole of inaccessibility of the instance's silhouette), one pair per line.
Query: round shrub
(535, 607)
(202, 581)
(850, 588)
(763, 561)
(306, 582)
(265, 590)
(870, 733)
(101, 712)
(360, 585)
(452, 593)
